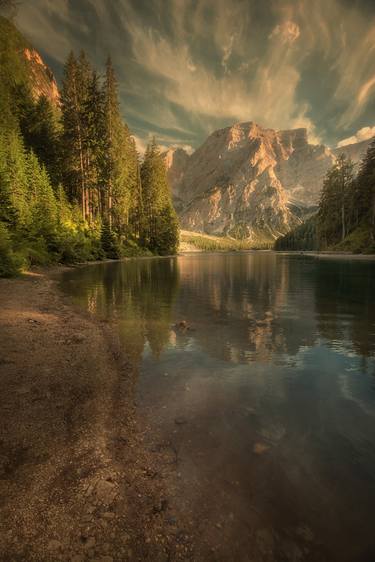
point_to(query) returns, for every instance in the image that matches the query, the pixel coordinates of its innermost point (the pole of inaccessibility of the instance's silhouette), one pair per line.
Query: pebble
(105, 491)
(108, 515)
(54, 545)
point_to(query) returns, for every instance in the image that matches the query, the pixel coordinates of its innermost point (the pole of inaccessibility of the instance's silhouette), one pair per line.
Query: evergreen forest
(72, 186)
(345, 220)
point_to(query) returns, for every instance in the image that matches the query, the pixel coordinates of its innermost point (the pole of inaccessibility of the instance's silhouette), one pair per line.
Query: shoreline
(76, 480)
(328, 255)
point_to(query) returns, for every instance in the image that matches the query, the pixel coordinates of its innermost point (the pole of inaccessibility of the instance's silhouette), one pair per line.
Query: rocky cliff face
(353, 151)
(247, 181)
(26, 62)
(42, 80)
(176, 161)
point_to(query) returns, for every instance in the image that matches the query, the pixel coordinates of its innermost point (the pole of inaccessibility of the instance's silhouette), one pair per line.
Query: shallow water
(264, 403)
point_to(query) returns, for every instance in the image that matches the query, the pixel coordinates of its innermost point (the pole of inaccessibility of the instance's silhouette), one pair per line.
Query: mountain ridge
(246, 180)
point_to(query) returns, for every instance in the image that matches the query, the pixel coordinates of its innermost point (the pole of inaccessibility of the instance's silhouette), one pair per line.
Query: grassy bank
(198, 242)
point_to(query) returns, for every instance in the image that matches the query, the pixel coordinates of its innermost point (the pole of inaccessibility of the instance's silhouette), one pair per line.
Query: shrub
(10, 262)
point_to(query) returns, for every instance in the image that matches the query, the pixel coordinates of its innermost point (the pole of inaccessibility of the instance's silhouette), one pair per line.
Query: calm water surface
(265, 405)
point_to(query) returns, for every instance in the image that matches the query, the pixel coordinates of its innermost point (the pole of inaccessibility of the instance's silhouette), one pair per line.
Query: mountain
(41, 77)
(27, 63)
(249, 181)
(176, 161)
(353, 151)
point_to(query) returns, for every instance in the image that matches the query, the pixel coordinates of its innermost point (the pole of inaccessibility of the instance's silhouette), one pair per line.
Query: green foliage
(208, 243)
(10, 263)
(70, 179)
(346, 216)
(364, 192)
(334, 206)
(40, 132)
(359, 241)
(167, 231)
(304, 237)
(109, 243)
(159, 231)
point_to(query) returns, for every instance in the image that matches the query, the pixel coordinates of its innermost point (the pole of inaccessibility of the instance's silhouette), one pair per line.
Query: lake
(256, 378)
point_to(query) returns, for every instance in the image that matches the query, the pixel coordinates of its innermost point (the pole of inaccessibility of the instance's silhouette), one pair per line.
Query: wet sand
(76, 481)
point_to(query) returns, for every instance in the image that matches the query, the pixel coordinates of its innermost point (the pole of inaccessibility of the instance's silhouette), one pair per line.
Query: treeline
(346, 215)
(303, 237)
(72, 187)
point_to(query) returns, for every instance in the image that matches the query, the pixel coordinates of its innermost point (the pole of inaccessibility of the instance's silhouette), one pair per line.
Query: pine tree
(167, 231)
(121, 163)
(8, 213)
(94, 145)
(18, 178)
(108, 241)
(160, 229)
(73, 97)
(44, 206)
(63, 208)
(41, 134)
(113, 124)
(136, 209)
(365, 191)
(333, 214)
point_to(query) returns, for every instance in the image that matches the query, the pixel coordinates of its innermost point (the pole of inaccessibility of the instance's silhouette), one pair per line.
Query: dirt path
(75, 481)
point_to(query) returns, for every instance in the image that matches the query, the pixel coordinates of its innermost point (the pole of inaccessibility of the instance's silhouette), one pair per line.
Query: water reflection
(272, 388)
(242, 308)
(137, 296)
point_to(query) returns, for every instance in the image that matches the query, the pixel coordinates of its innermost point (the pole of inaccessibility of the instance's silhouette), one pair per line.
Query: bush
(10, 263)
(35, 252)
(110, 245)
(130, 249)
(78, 246)
(359, 241)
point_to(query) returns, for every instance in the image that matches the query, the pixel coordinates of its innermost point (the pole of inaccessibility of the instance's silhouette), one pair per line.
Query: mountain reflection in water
(272, 387)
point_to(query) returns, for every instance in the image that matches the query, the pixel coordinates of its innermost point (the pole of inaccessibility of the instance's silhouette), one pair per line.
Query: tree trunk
(110, 204)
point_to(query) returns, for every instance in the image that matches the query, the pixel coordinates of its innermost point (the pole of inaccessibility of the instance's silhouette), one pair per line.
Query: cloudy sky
(188, 67)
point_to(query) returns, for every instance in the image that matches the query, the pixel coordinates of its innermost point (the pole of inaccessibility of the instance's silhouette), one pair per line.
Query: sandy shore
(76, 482)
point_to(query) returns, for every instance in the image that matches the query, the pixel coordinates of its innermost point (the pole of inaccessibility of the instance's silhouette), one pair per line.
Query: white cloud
(227, 53)
(361, 135)
(179, 86)
(35, 19)
(287, 31)
(191, 66)
(187, 147)
(141, 144)
(270, 98)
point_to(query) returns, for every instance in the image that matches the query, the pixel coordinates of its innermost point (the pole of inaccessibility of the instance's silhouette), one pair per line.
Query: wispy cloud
(362, 134)
(187, 67)
(288, 31)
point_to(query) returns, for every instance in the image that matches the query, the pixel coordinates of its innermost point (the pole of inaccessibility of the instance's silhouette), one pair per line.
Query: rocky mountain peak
(250, 181)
